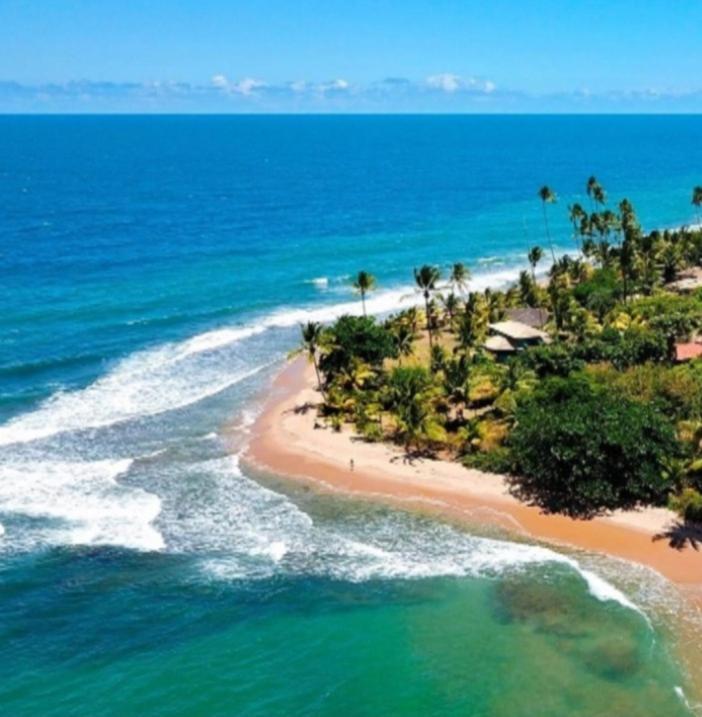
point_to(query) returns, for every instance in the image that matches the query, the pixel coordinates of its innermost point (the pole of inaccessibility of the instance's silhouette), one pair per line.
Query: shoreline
(283, 441)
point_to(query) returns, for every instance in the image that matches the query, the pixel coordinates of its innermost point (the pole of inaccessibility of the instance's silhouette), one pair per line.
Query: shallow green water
(100, 632)
(154, 273)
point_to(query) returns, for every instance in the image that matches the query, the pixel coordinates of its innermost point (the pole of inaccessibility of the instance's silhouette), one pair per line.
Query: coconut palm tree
(535, 255)
(363, 283)
(460, 276)
(311, 337)
(426, 278)
(406, 401)
(697, 200)
(590, 188)
(404, 341)
(627, 263)
(451, 304)
(547, 196)
(576, 214)
(599, 195)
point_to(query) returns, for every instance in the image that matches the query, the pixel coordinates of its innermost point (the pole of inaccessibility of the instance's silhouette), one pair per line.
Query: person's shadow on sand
(680, 533)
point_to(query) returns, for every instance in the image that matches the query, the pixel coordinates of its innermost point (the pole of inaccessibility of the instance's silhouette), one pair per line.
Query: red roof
(686, 352)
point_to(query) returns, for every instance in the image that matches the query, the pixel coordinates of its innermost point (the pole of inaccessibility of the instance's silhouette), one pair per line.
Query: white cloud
(446, 82)
(337, 85)
(246, 86)
(450, 83)
(298, 86)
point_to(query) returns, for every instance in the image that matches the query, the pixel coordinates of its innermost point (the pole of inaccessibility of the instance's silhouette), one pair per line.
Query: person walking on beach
(351, 465)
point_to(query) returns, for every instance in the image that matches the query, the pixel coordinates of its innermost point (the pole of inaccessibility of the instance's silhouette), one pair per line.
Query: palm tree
(548, 196)
(535, 255)
(697, 200)
(460, 276)
(426, 278)
(591, 186)
(405, 398)
(311, 336)
(404, 341)
(576, 214)
(627, 260)
(451, 304)
(364, 283)
(599, 195)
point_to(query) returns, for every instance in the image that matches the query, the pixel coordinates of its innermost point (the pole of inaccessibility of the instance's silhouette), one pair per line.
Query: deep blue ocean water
(153, 274)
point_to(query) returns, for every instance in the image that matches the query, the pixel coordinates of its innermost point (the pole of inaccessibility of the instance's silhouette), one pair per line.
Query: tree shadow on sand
(302, 408)
(410, 457)
(681, 534)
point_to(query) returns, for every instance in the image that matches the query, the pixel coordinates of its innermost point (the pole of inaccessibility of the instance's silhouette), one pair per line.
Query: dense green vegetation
(598, 417)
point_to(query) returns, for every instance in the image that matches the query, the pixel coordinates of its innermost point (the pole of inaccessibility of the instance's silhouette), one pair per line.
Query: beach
(157, 273)
(284, 441)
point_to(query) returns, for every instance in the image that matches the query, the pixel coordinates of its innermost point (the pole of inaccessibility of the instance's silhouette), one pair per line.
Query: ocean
(154, 271)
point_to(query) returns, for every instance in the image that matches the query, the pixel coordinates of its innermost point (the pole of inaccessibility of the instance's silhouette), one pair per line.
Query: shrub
(583, 452)
(498, 460)
(676, 391)
(551, 360)
(688, 505)
(637, 346)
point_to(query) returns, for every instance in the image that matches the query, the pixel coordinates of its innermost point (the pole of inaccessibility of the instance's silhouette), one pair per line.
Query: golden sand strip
(284, 441)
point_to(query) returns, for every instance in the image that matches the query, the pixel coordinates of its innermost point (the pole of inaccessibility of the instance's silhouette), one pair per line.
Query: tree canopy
(583, 452)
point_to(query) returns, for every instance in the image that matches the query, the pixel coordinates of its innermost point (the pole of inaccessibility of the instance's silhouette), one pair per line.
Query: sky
(351, 56)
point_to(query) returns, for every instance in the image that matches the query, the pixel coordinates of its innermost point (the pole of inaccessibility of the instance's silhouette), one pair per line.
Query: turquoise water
(154, 271)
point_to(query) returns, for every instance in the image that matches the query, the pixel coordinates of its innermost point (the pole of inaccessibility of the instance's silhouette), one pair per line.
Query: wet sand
(284, 441)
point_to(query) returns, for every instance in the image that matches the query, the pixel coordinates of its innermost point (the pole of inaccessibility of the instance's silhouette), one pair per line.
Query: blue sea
(154, 271)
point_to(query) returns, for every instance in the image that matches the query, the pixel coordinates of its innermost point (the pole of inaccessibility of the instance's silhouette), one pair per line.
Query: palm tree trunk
(426, 304)
(363, 301)
(548, 233)
(316, 370)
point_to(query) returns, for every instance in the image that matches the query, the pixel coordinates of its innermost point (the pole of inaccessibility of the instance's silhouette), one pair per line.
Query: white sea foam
(145, 384)
(320, 282)
(172, 376)
(83, 501)
(256, 532)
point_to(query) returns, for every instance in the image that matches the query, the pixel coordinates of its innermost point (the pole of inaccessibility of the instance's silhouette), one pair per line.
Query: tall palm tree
(426, 278)
(697, 201)
(599, 195)
(460, 276)
(535, 255)
(548, 196)
(627, 259)
(363, 283)
(311, 336)
(576, 214)
(590, 188)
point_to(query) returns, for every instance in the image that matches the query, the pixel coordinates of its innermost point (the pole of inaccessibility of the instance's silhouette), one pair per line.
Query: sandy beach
(284, 441)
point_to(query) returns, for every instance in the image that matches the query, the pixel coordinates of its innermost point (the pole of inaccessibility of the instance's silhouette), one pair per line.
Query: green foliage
(676, 391)
(599, 293)
(498, 460)
(638, 345)
(663, 303)
(688, 505)
(408, 399)
(583, 452)
(357, 337)
(597, 419)
(556, 359)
